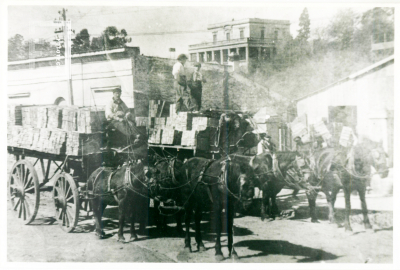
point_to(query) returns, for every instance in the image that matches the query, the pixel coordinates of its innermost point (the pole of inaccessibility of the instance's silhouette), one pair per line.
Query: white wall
(46, 84)
(373, 94)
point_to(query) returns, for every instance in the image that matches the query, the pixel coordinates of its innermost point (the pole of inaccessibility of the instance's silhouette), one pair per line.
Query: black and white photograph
(199, 133)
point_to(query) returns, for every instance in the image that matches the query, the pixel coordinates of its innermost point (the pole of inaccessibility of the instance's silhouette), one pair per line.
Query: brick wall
(153, 76)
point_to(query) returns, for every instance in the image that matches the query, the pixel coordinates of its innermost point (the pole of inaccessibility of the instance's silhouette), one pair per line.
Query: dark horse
(273, 173)
(125, 187)
(213, 185)
(350, 170)
(164, 187)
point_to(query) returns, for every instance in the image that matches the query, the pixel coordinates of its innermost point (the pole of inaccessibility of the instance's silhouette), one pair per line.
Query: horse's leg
(311, 202)
(264, 203)
(157, 216)
(329, 199)
(188, 217)
(361, 193)
(121, 213)
(219, 256)
(231, 215)
(142, 210)
(179, 222)
(334, 193)
(347, 193)
(274, 205)
(197, 219)
(133, 220)
(97, 213)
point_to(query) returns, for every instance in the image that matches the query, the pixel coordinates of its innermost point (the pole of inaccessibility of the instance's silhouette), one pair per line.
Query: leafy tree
(304, 23)
(81, 43)
(341, 29)
(16, 48)
(111, 38)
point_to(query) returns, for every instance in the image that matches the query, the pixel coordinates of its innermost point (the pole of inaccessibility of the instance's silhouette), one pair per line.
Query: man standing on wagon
(180, 84)
(196, 86)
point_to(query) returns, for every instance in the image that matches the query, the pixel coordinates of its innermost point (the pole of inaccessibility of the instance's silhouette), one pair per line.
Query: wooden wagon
(68, 192)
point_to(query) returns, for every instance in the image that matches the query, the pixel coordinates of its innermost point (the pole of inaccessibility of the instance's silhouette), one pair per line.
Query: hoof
(348, 229)
(234, 257)
(187, 249)
(262, 217)
(314, 220)
(201, 248)
(121, 239)
(133, 238)
(100, 235)
(219, 257)
(367, 226)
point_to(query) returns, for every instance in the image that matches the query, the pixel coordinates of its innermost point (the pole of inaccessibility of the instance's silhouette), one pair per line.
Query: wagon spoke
(71, 197)
(30, 189)
(60, 213)
(24, 210)
(16, 205)
(68, 191)
(28, 182)
(20, 209)
(28, 211)
(66, 219)
(26, 174)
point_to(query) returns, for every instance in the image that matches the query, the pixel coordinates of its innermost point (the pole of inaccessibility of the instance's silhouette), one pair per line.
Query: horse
(212, 185)
(350, 170)
(273, 173)
(124, 186)
(164, 187)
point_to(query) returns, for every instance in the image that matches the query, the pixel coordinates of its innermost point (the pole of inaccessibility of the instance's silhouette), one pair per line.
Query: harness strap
(275, 168)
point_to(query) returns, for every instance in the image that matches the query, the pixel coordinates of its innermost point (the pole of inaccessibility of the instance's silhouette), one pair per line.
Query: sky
(155, 29)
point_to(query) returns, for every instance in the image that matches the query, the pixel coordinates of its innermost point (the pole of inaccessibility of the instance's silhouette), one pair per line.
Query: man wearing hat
(196, 86)
(180, 84)
(116, 112)
(265, 144)
(116, 109)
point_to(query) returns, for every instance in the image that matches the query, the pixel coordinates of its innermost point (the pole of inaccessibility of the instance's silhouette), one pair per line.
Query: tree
(304, 24)
(341, 28)
(16, 48)
(81, 43)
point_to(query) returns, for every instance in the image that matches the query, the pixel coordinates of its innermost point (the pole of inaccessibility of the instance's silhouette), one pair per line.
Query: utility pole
(66, 30)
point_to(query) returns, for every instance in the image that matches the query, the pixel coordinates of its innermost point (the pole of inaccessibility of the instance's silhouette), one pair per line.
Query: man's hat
(117, 90)
(296, 138)
(182, 57)
(197, 64)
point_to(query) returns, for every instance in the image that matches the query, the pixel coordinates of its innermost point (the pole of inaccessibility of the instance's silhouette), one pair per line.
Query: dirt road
(279, 241)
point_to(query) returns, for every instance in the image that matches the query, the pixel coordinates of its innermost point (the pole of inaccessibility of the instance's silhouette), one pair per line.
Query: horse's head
(378, 156)
(369, 152)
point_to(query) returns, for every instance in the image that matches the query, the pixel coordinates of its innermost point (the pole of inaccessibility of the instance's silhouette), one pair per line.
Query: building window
(242, 53)
(193, 57)
(228, 36)
(276, 34)
(209, 56)
(262, 33)
(215, 37)
(241, 34)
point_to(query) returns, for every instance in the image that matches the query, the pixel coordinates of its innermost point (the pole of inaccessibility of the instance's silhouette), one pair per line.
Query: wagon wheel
(66, 201)
(23, 189)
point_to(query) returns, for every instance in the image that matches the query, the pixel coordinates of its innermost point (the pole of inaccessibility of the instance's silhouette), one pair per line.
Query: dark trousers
(196, 93)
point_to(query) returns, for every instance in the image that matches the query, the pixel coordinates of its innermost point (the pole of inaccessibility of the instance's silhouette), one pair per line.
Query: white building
(94, 75)
(368, 97)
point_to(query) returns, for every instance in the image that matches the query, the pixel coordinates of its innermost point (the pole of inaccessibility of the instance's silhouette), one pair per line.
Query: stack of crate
(69, 119)
(155, 136)
(54, 117)
(89, 120)
(14, 116)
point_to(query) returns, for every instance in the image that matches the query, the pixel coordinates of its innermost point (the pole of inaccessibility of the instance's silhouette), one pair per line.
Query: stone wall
(153, 77)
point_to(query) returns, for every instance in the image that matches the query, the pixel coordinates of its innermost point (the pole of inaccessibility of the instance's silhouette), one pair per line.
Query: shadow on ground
(277, 247)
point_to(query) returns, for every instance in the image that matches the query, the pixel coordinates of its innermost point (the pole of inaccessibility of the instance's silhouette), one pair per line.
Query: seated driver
(116, 109)
(116, 112)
